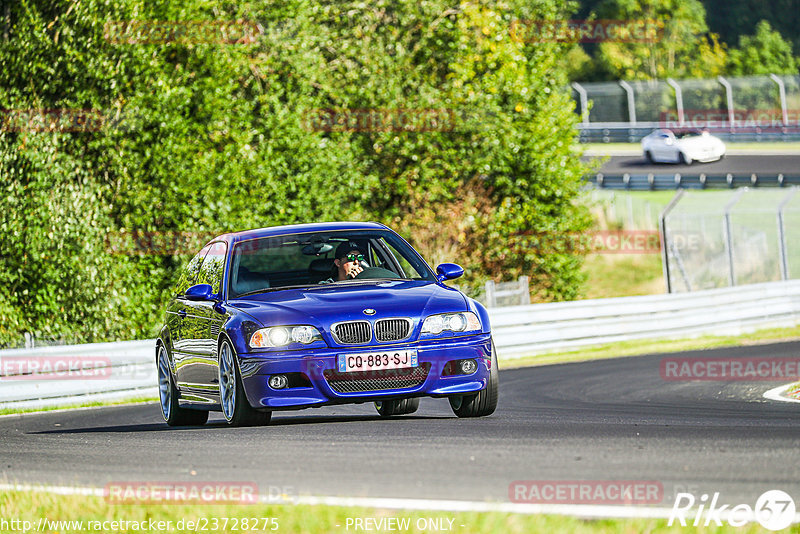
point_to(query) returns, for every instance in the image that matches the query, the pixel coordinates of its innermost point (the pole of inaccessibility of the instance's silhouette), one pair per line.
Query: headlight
(452, 322)
(280, 336)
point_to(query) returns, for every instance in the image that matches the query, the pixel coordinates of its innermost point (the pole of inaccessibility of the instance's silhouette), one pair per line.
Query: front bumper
(432, 356)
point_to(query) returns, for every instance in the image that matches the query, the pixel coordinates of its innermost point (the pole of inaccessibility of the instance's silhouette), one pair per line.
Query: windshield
(688, 133)
(302, 260)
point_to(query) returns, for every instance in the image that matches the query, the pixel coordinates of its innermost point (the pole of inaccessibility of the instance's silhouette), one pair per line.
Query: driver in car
(347, 264)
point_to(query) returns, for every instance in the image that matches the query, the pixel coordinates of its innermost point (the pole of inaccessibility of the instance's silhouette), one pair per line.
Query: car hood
(698, 142)
(326, 304)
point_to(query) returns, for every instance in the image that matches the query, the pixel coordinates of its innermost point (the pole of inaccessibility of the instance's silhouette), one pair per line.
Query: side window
(213, 266)
(189, 273)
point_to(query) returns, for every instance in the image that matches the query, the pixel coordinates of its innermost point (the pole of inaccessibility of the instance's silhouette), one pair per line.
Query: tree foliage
(688, 45)
(199, 139)
(683, 49)
(765, 52)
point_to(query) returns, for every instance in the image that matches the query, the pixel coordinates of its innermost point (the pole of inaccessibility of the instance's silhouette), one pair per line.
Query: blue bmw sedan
(300, 316)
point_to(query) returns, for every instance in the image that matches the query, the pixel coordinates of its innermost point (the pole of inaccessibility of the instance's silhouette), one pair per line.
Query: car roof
(273, 231)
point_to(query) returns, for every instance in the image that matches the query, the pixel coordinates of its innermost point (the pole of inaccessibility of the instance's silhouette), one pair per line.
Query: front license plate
(370, 361)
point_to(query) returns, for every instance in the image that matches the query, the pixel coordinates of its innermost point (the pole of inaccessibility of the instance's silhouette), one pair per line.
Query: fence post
(678, 100)
(729, 99)
(729, 234)
(584, 102)
(490, 300)
(782, 94)
(524, 286)
(28, 340)
(782, 235)
(631, 101)
(664, 238)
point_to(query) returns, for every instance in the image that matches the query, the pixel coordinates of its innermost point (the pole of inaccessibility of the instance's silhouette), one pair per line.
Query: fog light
(278, 381)
(468, 366)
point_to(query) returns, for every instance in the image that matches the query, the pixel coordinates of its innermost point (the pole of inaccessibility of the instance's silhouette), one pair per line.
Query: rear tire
(482, 403)
(683, 158)
(171, 410)
(649, 157)
(388, 408)
(235, 407)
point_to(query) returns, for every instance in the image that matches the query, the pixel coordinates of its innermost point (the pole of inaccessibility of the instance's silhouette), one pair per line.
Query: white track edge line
(776, 394)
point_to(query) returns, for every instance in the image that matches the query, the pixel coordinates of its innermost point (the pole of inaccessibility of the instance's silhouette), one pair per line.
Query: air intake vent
(363, 381)
(392, 329)
(353, 333)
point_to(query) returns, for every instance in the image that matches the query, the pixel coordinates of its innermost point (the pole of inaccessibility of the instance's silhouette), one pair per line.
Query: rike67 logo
(774, 510)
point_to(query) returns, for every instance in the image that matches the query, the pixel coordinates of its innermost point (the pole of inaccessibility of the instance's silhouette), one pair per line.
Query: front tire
(235, 408)
(482, 403)
(388, 408)
(173, 414)
(683, 158)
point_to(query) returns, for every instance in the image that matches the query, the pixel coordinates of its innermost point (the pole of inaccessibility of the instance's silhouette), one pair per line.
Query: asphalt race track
(737, 165)
(603, 420)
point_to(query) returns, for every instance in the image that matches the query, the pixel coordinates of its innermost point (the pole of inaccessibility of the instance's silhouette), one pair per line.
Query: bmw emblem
(369, 311)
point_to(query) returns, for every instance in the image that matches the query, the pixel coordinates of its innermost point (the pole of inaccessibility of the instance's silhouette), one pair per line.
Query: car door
(176, 310)
(202, 323)
(663, 147)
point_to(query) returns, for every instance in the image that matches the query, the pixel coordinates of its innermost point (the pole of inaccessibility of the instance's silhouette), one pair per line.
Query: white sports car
(664, 146)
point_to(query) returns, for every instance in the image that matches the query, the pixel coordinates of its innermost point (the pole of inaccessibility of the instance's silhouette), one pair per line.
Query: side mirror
(200, 292)
(448, 271)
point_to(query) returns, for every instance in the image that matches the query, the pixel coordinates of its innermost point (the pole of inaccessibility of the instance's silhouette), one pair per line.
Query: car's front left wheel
(235, 408)
(482, 403)
(173, 414)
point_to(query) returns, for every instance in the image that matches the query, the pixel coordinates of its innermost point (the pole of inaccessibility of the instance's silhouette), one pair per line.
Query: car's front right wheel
(235, 408)
(482, 403)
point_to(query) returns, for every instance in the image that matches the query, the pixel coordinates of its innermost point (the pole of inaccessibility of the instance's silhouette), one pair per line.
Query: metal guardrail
(698, 180)
(624, 133)
(129, 367)
(71, 374)
(539, 328)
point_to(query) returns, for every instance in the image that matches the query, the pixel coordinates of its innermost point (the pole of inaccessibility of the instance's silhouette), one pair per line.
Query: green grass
(651, 346)
(305, 519)
(618, 275)
(93, 404)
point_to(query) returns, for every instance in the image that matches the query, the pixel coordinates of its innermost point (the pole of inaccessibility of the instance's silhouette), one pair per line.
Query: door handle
(182, 314)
